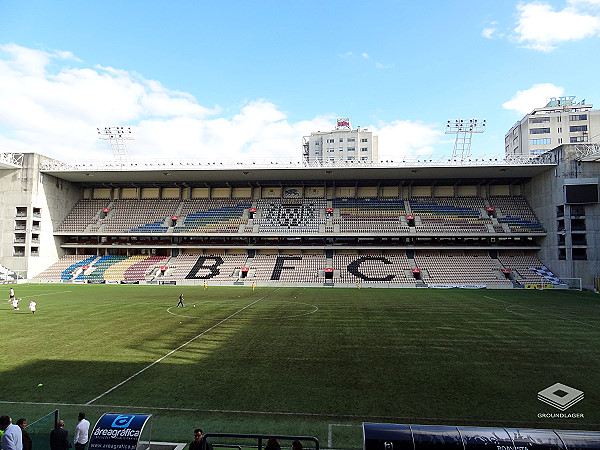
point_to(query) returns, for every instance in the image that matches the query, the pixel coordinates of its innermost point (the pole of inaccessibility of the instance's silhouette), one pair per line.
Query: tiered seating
(290, 216)
(263, 266)
(55, 271)
(458, 267)
(212, 216)
(516, 212)
(371, 268)
(370, 215)
(99, 268)
(67, 274)
(140, 216)
(139, 271)
(116, 272)
(449, 214)
(83, 214)
(306, 270)
(520, 265)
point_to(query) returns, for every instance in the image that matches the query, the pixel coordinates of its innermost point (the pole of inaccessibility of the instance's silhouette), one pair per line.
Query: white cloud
(523, 102)
(405, 138)
(365, 55)
(491, 31)
(540, 27)
(56, 113)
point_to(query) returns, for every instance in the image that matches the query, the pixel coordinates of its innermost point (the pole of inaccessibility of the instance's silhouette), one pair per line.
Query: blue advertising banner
(118, 431)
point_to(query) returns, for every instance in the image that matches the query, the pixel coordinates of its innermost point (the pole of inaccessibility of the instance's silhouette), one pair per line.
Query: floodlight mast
(464, 129)
(117, 137)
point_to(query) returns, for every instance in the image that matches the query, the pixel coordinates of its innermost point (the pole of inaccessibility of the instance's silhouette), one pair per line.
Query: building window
(578, 128)
(364, 140)
(539, 141)
(350, 158)
(316, 143)
(364, 149)
(351, 149)
(330, 141)
(575, 117)
(351, 139)
(341, 139)
(539, 131)
(341, 149)
(539, 120)
(575, 139)
(330, 149)
(364, 158)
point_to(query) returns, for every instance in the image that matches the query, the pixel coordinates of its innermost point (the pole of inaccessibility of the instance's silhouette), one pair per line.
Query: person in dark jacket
(59, 437)
(27, 443)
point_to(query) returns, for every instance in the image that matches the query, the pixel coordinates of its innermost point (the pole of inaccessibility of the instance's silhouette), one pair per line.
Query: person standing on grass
(15, 304)
(12, 439)
(59, 437)
(32, 306)
(180, 301)
(200, 442)
(81, 432)
(27, 443)
(11, 295)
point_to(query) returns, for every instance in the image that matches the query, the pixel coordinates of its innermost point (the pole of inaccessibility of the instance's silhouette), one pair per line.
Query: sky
(244, 80)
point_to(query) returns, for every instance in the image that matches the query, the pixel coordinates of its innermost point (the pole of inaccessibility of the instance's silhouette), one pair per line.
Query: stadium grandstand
(476, 224)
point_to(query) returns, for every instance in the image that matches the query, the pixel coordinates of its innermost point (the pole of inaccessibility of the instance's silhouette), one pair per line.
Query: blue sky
(239, 79)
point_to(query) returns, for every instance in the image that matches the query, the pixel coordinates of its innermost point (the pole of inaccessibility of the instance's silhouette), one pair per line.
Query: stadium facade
(479, 223)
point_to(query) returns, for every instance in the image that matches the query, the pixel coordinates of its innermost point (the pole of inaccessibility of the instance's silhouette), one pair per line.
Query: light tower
(117, 137)
(464, 129)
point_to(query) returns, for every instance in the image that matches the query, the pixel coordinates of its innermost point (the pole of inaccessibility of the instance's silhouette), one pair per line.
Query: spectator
(59, 437)
(296, 445)
(27, 443)
(272, 444)
(81, 432)
(12, 439)
(200, 442)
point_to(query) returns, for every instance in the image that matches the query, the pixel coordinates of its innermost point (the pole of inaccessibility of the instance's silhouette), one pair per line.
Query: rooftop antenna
(464, 129)
(117, 137)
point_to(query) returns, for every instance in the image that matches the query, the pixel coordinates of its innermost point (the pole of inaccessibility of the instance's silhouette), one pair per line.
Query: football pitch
(299, 361)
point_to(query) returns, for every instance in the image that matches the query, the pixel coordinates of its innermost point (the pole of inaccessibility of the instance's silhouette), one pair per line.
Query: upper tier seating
(140, 216)
(212, 216)
(440, 215)
(450, 214)
(516, 213)
(84, 213)
(290, 216)
(371, 215)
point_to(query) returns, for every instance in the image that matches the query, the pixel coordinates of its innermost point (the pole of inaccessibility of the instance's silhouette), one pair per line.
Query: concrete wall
(28, 190)
(546, 195)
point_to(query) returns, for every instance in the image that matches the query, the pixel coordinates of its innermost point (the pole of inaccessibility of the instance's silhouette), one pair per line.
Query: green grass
(295, 360)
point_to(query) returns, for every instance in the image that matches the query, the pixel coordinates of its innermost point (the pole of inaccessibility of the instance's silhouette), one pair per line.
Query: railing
(287, 163)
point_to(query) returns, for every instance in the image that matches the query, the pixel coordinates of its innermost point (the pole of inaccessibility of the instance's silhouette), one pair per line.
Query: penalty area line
(178, 348)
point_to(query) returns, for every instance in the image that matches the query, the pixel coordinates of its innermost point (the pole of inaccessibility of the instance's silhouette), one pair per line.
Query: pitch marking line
(178, 348)
(538, 312)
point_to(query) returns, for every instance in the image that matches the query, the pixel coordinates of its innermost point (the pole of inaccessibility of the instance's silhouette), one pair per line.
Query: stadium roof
(171, 173)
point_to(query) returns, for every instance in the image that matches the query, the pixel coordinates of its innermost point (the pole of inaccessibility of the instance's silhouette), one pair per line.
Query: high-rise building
(561, 121)
(341, 144)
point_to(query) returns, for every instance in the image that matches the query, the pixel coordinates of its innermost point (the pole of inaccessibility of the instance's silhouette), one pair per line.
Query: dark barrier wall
(379, 436)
